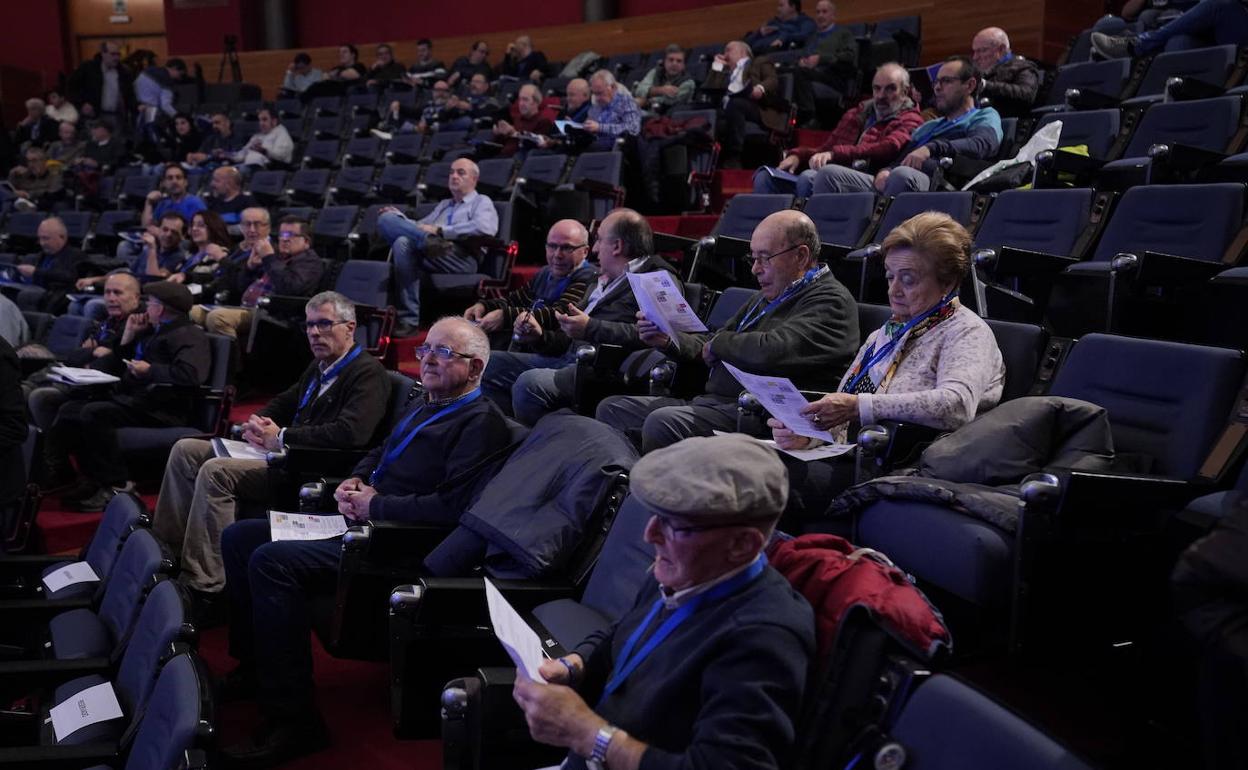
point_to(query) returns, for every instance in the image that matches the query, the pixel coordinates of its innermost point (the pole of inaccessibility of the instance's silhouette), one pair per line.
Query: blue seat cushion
(75, 591)
(569, 621)
(1089, 267)
(456, 281)
(967, 557)
(101, 732)
(1218, 505)
(79, 634)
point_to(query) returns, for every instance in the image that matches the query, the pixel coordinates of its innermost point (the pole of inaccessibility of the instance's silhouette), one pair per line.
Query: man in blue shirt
(613, 113)
(961, 130)
(435, 244)
(789, 28)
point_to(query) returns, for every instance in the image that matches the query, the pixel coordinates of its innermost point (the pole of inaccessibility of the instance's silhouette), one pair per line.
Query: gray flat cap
(714, 479)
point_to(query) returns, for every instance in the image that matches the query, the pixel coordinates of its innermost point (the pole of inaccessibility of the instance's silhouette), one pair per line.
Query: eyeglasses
(564, 248)
(671, 530)
(322, 325)
(287, 236)
(443, 352)
(753, 257)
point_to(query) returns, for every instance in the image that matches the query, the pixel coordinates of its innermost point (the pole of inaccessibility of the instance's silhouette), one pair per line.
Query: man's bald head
(577, 91)
(567, 245)
(988, 46)
(736, 51)
(783, 247)
(52, 235)
(121, 294)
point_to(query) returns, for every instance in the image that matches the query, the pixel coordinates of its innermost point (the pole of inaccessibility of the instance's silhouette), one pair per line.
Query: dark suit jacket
(60, 272)
(12, 426)
(299, 276)
(47, 133)
(180, 357)
(86, 86)
(758, 72)
(348, 416)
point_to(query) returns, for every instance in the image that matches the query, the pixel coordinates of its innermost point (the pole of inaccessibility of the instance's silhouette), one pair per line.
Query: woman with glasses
(933, 363)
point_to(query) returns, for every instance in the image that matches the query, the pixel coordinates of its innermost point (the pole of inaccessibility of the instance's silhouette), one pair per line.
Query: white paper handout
(238, 450)
(78, 572)
(74, 375)
(305, 526)
(781, 398)
(663, 303)
(821, 452)
(520, 641)
(94, 704)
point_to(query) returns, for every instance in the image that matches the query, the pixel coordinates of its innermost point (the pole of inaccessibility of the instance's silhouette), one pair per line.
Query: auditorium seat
(1208, 125)
(1098, 84)
(1211, 66)
(362, 151)
(405, 147)
(842, 219)
(352, 184)
(320, 154)
(396, 182)
(1097, 129)
(716, 260)
(308, 186)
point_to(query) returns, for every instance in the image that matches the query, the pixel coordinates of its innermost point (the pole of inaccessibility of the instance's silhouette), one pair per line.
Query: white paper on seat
(823, 452)
(238, 450)
(94, 704)
(781, 398)
(520, 641)
(663, 303)
(78, 572)
(195, 289)
(304, 526)
(74, 375)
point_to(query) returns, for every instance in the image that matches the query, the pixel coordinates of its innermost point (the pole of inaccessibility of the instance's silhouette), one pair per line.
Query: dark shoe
(96, 502)
(78, 491)
(209, 609)
(1113, 47)
(239, 684)
(58, 480)
(278, 742)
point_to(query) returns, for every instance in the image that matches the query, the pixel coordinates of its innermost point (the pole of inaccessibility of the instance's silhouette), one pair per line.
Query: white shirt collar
(678, 598)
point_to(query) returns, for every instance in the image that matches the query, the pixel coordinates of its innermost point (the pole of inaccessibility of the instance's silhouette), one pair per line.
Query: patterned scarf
(891, 328)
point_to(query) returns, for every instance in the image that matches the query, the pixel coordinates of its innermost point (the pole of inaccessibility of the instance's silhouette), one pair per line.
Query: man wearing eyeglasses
(418, 473)
(294, 269)
(339, 401)
(540, 376)
(802, 324)
(962, 130)
(436, 243)
(561, 283)
(709, 665)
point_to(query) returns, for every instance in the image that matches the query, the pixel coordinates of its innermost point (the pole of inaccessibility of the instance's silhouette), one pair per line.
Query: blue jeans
(270, 585)
(409, 244)
(504, 371)
(1225, 21)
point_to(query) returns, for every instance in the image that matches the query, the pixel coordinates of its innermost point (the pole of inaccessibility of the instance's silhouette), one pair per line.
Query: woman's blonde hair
(940, 238)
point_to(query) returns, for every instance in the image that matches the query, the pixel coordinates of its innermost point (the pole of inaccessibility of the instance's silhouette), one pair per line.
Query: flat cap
(173, 295)
(714, 479)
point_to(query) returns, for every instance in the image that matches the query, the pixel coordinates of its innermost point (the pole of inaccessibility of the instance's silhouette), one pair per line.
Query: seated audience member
(561, 283)
(219, 146)
(750, 87)
(36, 129)
(121, 300)
(161, 255)
(13, 326)
(540, 377)
(300, 75)
(874, 131)
(12, 428)
(479, 102)
(528, 126)
(60, 109)
(272, 144)
(183, 140)
(416, 474)
(436, 243)
(210, 243)
(475, 62)
(961, 130)
(294, 269)
(723, 686)
(338, 402)
(348, 67)
(51, 273)
(228, 199)
(105, 151)
(68, 147)
(576, 101)
(521, 61)
(159, 347)
(667, 85)
(802, 324)
(934, 363)
(385, 68)
(613, 113)
(789, 28)
(1009, 81)
(425, 66)
(36, 184)
(171, 196)
(1143, 15)
(830, 58)
(1219, 22)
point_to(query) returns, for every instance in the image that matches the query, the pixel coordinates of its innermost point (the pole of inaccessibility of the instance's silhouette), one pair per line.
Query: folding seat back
(365, 282)
(841, 218)
(138, 185)
(959, 205)
(326, 125)
(727, 305)
(495, 174)
(335, 222)
(1196, 221)
(870, 318)
(597, 167)
(396, 181)
(321, 152)
(543, 170)
(368, 221)
(289, 107)
(362, 151)
(1167, 401)
(442, 141)
(178, 716)
(266, 185)
(246, 128)
(436, 182)
(39, 325)
(1209, 124)
(405, 147)
(77, 224)
(362, 101)
(111, 221)
(1048, 221)
(1211, 65)
(1097, 129)
(122, 514)
(1103, 77)
(946, 724)
(743, 213)
(66, 334)
(1022, 346)
(309, 184)
(24, 225)
(326, 105)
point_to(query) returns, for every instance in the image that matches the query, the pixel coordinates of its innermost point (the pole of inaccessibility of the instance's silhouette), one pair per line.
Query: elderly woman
(933, 363)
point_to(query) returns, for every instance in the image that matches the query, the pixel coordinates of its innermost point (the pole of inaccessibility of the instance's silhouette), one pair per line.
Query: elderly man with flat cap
(709, 665)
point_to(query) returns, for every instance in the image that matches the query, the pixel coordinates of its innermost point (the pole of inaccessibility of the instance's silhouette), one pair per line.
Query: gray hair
(903, 75)
(633, 230)
(476, 343)
(603, 76)
(35, 102)
(343, 307)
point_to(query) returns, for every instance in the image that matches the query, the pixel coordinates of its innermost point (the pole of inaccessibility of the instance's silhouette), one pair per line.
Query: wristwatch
(598, 758)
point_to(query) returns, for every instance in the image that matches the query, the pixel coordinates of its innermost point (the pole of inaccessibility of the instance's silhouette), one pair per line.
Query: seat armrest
(1183, 158)
(1082, 501)
(310, 461)
(65, 757)
(1182, 89)
(671, 242)
(18, 611)
(1156, 268)
(1087, 99)
(1051, 163)
(285, 305)
(463, 599)
(597, 187)
(26, 675)
(389, 542)
(889, 444)
(1007, 261)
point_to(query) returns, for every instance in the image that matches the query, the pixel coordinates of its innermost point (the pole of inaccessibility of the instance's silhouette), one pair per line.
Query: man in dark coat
(1009, 81)
(751, 87)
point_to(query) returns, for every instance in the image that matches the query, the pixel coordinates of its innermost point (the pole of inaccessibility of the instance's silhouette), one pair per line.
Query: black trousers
(88, 430)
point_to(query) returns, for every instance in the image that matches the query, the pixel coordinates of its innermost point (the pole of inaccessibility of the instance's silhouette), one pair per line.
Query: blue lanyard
(138, 346)
(329, 374)
(393, 450)
(752, 317)
(871, 359)
(627, 662)
(930, 135)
